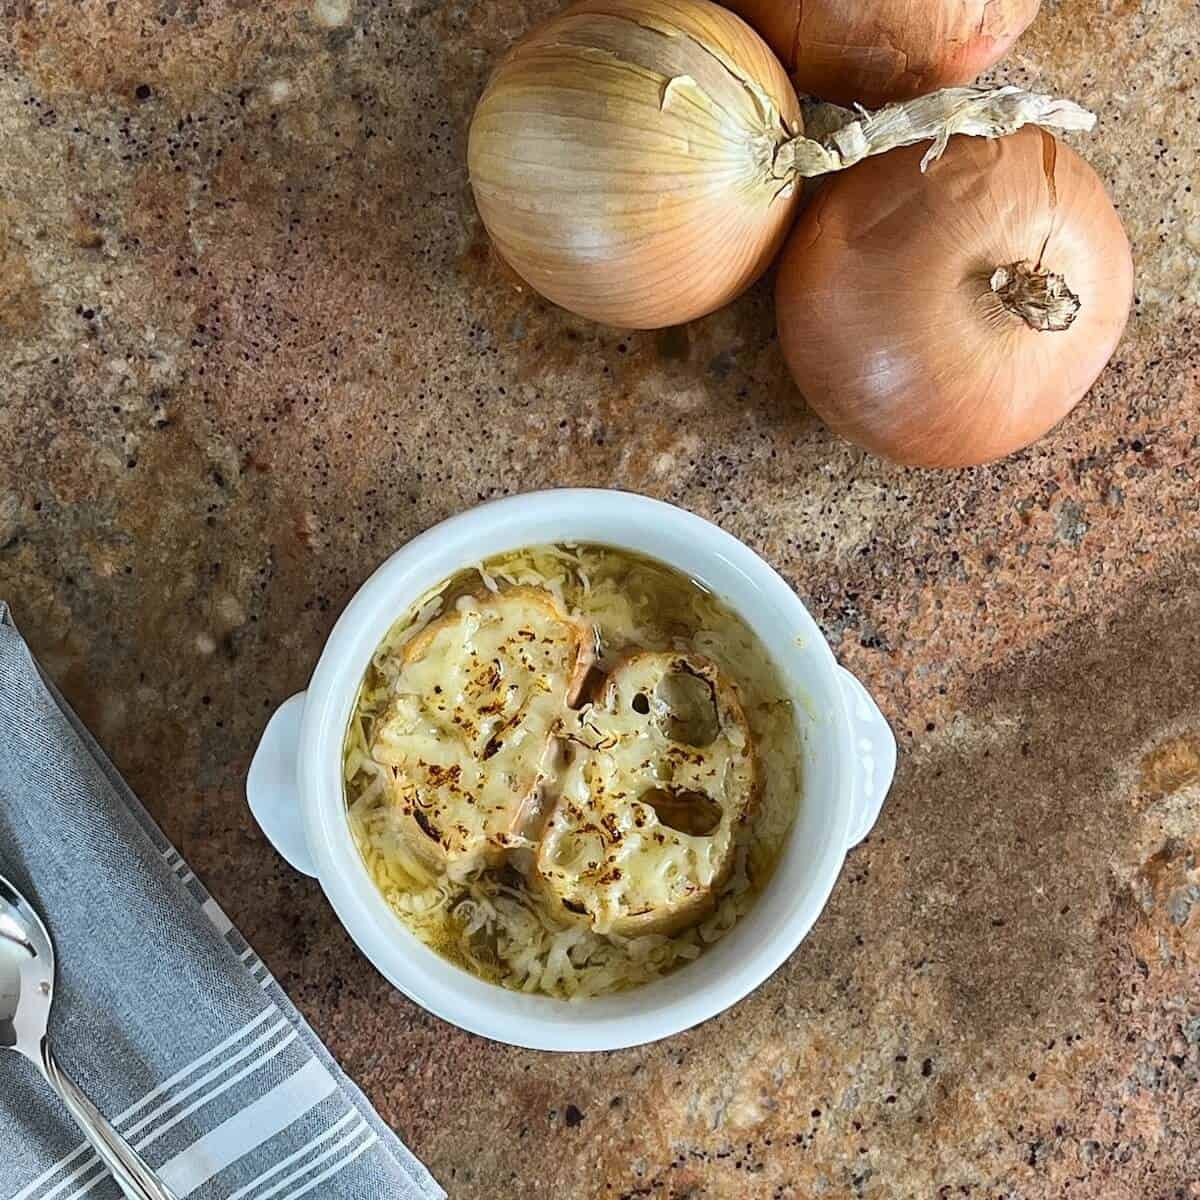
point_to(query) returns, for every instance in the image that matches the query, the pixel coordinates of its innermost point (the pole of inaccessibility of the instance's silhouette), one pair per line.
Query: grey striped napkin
(163, 1013)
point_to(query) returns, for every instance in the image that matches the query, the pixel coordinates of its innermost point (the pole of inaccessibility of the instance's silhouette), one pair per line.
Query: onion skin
(875, 51)
(623, 199)
(891, 308)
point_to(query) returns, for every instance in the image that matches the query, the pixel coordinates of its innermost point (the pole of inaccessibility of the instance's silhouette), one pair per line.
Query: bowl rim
(360, 907)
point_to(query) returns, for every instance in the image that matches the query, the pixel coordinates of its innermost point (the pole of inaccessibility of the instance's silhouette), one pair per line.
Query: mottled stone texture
(252, 339)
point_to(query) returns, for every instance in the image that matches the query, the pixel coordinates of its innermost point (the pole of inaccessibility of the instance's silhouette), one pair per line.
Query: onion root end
(1040, 298)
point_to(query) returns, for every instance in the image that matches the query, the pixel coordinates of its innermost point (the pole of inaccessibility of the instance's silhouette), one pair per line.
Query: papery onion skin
(888, 315)
(621, 195)
(883, 50)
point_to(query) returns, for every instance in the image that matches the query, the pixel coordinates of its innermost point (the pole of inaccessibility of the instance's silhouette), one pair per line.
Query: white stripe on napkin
(338, 1148)
(171, 1122)
(247, 1130)
(221, 1089)
(31, 1188)
(284, 1163)
(203, 1060)
(89, 1164)
(312, 1183)
(244, 1052)
(212, 910)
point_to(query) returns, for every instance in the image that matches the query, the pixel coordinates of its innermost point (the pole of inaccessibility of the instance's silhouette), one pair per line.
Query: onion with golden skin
(623, 159)
(873, 52)
(952, 317)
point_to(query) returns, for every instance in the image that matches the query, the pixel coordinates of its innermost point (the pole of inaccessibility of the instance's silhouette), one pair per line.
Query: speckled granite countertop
(252, 340)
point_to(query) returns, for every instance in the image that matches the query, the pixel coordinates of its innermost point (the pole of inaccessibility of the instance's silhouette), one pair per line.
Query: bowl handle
(875, 756)
(271, 786)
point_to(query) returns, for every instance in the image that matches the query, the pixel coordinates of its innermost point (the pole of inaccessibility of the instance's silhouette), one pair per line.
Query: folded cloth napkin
(162, 1012)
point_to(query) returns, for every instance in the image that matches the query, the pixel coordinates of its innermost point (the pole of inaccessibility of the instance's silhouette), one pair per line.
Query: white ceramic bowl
(295, 783)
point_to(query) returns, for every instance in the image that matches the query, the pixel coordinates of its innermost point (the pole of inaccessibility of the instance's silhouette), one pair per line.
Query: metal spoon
(26, 991)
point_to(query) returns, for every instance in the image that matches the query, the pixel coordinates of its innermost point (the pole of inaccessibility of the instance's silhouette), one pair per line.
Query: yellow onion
(951, 317)
(873, 52)
(624, 159)
(639, 161)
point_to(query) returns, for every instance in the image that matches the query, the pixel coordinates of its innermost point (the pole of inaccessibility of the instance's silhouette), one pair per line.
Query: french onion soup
(570, 769)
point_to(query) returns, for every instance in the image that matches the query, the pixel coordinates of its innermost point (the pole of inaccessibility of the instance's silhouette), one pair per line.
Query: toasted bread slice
(644, 830)
(470, 736)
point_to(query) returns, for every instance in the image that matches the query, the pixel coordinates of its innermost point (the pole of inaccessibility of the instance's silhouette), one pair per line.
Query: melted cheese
(469, 736)
(606, 855)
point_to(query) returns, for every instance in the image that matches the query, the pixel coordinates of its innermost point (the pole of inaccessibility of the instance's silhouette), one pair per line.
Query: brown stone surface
(252, 339)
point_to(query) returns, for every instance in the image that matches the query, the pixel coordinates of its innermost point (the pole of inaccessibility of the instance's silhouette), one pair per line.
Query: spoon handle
(128, 1168)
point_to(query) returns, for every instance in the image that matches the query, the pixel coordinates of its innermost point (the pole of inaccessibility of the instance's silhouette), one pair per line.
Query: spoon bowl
(26, 994)
(26, 974)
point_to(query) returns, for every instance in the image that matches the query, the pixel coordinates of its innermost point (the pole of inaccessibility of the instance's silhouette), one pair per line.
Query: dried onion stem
(840, 137)
(1040, 298)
